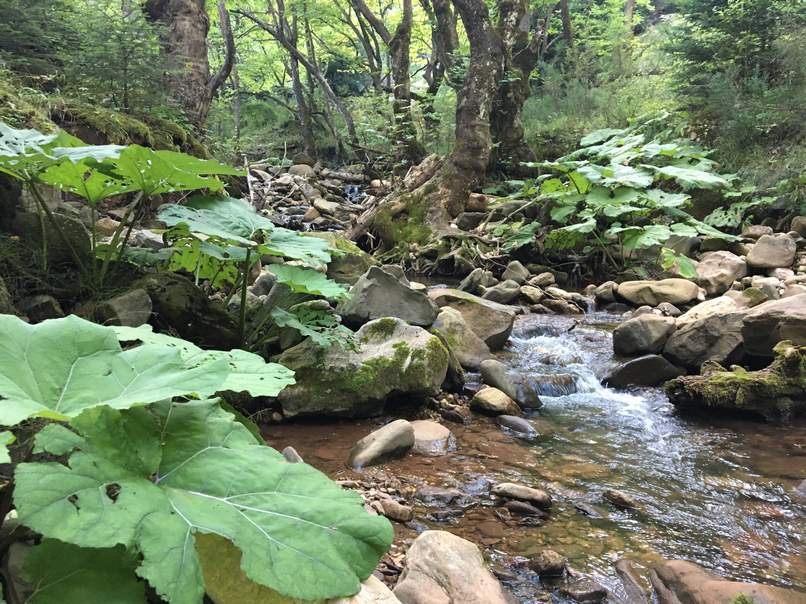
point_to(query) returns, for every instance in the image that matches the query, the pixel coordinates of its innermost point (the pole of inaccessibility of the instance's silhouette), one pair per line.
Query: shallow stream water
(720, 493)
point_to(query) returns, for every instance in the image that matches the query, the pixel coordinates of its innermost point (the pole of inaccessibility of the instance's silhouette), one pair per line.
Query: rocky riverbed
(628, 477)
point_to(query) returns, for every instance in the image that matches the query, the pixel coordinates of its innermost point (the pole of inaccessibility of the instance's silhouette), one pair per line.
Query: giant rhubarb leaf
(61, 367)
(298, 532)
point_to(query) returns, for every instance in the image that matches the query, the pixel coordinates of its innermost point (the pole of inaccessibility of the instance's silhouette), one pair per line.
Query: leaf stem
(242, 322)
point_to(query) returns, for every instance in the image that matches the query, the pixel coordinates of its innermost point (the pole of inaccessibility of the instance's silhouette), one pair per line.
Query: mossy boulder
(392, 358)
(777, 393)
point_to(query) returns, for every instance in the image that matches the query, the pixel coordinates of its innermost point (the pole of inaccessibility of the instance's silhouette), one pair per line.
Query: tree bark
(520, 56)
(443, 187)
(305, 123)
(629, 13)
(568, 33)
(183, 39)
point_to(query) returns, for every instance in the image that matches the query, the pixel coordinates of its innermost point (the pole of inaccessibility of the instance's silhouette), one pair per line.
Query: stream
(719, 493)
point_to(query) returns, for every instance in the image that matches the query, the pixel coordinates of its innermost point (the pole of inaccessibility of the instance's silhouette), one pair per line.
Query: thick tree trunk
(568, 33)
(629, 13)
(183, 38)
(520, 56)
(305, 124)
(437, 191)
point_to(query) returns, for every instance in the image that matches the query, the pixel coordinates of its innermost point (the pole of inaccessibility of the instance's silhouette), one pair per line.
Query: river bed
(720, 493)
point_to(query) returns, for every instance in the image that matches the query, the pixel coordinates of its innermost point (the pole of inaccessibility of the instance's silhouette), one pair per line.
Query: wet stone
(548, 563)
(584, 591)
(517, 424)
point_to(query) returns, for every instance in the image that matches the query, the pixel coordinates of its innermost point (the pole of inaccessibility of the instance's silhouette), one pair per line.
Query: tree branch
(229, 45)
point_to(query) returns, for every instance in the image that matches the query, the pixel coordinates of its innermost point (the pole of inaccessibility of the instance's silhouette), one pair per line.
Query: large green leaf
(247, 371)
(24, 154)
(308, 281)
(155, 172)
(58, 368)
(290, 244)
(691, 178)
(224, 217)
(87, 179)
(61, 573)
(299, 533)
(6, 439)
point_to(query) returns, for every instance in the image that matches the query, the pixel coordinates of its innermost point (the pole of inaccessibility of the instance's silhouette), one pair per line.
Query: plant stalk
(242, 322)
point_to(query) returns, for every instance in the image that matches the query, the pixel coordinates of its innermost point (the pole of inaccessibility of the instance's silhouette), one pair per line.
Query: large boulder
(442, 568)
(773, 251)
(716, 337)
(392, 357)
(491, 321)
(769, 323)
(673, 291)
(679, 581)
(648, 370)
(395, 439)
(777, 392)
(181, 307)
(717, 271)
(643, 334)
(504, 292)
(492, 401)
(378, 293)
(469, 349)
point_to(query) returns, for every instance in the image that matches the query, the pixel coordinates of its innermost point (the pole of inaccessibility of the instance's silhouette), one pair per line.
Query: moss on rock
(392, 358)
(776, 393)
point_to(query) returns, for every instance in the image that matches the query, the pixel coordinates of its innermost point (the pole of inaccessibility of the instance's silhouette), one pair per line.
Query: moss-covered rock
(392, 357)
(776, 393)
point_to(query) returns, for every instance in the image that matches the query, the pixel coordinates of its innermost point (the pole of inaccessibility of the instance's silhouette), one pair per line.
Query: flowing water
(718, 493)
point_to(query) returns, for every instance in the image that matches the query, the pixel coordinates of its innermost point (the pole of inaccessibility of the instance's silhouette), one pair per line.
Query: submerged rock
(584, 590)
(395, 439)
(442, 568)
(492, 401)
(510, 490)
(519, 425)
(378, 293)
(777, 392)
(491, 321)
(678, 581)
(392, 358)
(431, 438)
(548, 563)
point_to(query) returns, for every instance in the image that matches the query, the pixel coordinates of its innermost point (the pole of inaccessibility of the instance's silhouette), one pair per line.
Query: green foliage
(62, 573)
(626, 190)
(142, 474)
(308, 281)
(323, 327)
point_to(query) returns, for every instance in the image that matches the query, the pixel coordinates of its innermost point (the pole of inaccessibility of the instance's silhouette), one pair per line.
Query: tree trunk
(444, 42)
(568, 33)
(183, 39)
(520, 56)
(629, 12)
(305, 124)
(409, 151)
(437, 191)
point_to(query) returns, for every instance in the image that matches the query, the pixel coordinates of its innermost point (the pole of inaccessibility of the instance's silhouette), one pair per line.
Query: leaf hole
(112, 491)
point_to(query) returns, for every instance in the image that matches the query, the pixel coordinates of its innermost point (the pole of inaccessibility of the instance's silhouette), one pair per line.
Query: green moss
(23, 107)
(411, 226)
(380, 329)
